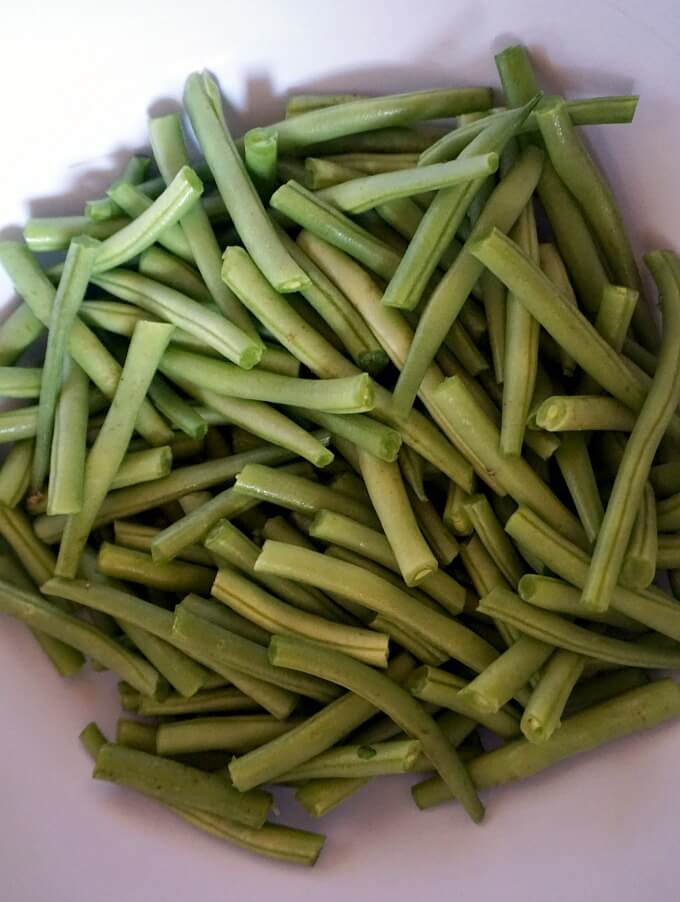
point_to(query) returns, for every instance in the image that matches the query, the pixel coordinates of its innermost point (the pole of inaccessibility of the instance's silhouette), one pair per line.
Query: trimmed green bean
(133, 174)
(552, 628)
(655, 415)
(15, 473)
(553, 266)
(134, 202)
(495, 540)
(603, 687)
(204, 106)
(276, 616)
(589, 111)
(137, 567)
(581, 176)
(139, 537)
(48, 618)
(314, 736)
(412, 467)
(373, 437)
(508, 674)
(650, 607)
(217, 613)
(633, 711)
(521, 345)
(55, 233)
(583, 413)
(388, 697)
(359, 761)
(299, 494)
(175, 783)
(176, 409)
(194, 318)
(261, 155)
(147, 346)
(639, 562)
(665, 478)
(576, 468)
(543, 714)
(208, 642)
(135, 735)
(17, 332)
(67, 459)
(554, 595)
(207, 701)
(442, 542)
(239, 733)
(443, 306)
(515, 475)
(35, 557)
(85, 348)
(92, 739)
(20, 381)
(363, 587)
(612, 322)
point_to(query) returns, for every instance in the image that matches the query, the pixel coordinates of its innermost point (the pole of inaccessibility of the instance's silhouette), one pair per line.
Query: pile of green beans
(355, 441)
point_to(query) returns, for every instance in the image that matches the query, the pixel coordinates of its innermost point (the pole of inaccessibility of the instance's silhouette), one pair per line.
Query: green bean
(55, 233)
(513, 473)
(568, 327)
(388, 697)
(581, 176)
(264, 421)
(553, 266)
(576, 468)
(352, 394)
(650, 607)
(442, 220)
(133, 174)
(67, 459)
(18, 331)
(631, 712)
(149, 627)
(325, 221)
(146, 349)
(303, 103)
(395, 336)
(135, 735)
(486, 575)
(375, 593)
(176, 409)
(297, 493)
(642, 358)
(373, 437)
(276, 616)
(552, 628)
(649, 429)
(612, 322)
(194, 318)
(219, 614)
(204, 106)
(367, 114)
(320, 174)
(223, 701)
(15, 473)
(422, 651)
(442, 542)
(443, 306)
(412, 467)
(583, 413)
(230, 545)
(494, 299)
(338, 529)
(395, 512)
(208, 641)
(324, 360)
(139, 537)
(134, 203)
(236, 734)
(312, 737)
(161, 266)
(668, 513)
(46, 617)
(170, 152)
(175, 783)
(92, 739)
(334, 308)
(372, 163)
(85, 348)
(589, 111)
(35, 557)
(639, 562)
(20, 382)
(359, 762)
(366, 193)
(495, 540)
(521, 345)
(279, 529)
(507, 675)
(261, 155)
(137, 567)
(455, 516)
(603, 687)
(194, 526)
(542, 716)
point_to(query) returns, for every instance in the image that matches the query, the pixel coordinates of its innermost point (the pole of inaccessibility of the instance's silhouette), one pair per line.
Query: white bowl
(76, 83)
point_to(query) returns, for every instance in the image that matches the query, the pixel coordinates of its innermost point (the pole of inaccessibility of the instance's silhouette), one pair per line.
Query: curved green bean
(134, 203)
(204, 106)
(654, 417)
(387, 696)
(365, 588)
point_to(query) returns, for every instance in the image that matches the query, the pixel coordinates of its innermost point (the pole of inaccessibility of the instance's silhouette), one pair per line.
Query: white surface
(76, 82)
